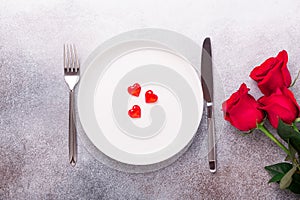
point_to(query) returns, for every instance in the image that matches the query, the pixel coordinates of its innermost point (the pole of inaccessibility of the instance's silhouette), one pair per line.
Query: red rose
(272, 74)
(280, 105)
(242, 110)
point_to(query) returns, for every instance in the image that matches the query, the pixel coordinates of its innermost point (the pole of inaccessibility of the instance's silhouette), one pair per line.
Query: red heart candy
(135, 112)
(134, 89)
(150, 97)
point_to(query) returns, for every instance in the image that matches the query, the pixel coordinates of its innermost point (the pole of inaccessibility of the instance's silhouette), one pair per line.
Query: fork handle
(72, 131)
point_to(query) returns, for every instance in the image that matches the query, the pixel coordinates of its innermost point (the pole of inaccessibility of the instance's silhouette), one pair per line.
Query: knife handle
(211, 139)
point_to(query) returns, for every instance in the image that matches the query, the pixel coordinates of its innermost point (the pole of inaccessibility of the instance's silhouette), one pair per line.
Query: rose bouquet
(278, 106)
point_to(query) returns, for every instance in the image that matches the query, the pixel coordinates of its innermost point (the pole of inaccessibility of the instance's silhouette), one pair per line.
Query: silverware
(207, 85)
(71, 74)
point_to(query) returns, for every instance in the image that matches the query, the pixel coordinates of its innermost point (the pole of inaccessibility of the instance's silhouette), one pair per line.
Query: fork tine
(65, 57)
(76, 62)
(69, 63)
(73, 58)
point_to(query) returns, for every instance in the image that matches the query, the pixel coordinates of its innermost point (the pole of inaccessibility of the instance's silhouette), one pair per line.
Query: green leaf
(295, 185)
(292, 152)
(287, 179)
(278, 169)
(297, 120)
(276, 178)
(288, 134)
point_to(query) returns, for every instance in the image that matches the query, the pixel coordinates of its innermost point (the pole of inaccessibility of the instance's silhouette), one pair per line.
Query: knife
(207, 86)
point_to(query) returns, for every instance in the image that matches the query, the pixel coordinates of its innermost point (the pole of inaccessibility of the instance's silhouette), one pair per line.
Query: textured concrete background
(34, 98)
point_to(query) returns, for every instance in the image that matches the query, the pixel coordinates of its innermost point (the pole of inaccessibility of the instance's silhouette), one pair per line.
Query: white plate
(165, 127)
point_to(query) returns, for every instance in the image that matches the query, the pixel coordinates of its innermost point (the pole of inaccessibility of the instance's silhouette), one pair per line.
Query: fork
(71, 74)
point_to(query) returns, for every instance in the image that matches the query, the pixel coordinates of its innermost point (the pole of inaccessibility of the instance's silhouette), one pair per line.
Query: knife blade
(207, 86)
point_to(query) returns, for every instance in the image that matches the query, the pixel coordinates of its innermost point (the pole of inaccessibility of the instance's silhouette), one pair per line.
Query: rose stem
(295, 127)
(273, 138)
(295, 79)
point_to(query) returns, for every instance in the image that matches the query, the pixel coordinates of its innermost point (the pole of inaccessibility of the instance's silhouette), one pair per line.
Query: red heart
(135, 112)
(134, 90)
(150, 97)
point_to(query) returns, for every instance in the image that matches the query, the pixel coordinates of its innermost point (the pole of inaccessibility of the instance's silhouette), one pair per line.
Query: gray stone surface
(34, 98)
